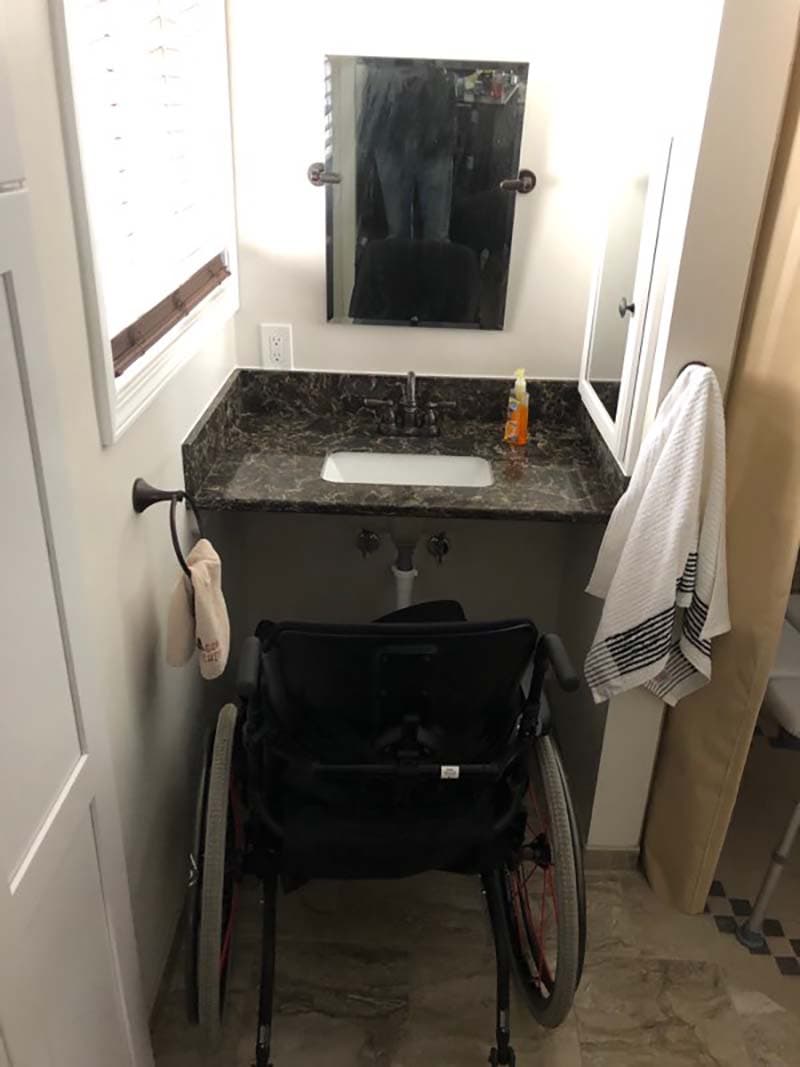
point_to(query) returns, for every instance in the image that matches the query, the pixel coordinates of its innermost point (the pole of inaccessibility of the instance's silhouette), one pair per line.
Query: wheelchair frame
(258, 852)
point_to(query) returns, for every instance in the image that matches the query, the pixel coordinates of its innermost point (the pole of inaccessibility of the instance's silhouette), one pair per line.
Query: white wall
(630, 744)
(625, 217)
(127, 559)
(705, 255)
(589, 88)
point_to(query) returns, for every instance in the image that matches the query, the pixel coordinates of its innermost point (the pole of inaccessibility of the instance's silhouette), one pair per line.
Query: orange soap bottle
(516, 432)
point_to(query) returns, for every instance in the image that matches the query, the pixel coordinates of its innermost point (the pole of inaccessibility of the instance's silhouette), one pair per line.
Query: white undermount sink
(393, 468)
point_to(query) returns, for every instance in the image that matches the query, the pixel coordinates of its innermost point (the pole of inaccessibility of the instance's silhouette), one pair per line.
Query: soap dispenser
(516, 431)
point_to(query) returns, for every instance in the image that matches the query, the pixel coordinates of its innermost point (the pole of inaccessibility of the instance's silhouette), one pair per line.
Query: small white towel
(198, 616)
(664, 550)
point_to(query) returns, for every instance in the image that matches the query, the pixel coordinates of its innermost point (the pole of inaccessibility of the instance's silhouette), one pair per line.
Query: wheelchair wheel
(578, 846)
(543, 899)
(193, 889)
(218, 876)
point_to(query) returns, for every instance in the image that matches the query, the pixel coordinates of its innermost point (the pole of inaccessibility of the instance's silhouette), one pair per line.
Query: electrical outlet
(276, 346)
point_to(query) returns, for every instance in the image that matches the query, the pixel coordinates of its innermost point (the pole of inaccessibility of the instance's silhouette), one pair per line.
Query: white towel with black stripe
(662, 567)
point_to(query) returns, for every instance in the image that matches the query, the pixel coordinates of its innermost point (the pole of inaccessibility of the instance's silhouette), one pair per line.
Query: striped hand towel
(662, 567)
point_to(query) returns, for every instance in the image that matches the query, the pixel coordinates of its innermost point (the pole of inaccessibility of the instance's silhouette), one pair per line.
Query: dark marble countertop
(268, 456)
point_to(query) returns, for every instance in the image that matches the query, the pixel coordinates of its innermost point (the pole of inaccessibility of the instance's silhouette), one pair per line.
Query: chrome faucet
(409, 401)
(411, 422)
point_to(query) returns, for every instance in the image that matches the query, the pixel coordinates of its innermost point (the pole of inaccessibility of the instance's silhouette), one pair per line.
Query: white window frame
(120, 401)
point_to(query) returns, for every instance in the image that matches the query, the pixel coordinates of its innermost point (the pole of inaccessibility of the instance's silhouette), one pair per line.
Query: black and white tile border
(730, 912)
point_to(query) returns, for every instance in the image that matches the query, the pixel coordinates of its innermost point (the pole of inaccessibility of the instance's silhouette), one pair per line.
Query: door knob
(317, 175)
(524, 183)
(625, 307)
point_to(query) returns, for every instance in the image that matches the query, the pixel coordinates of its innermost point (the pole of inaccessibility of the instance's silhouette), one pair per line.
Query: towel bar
(143, 495)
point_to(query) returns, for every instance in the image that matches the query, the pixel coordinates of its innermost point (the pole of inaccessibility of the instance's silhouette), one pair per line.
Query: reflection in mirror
(418, 228)
(615, 310)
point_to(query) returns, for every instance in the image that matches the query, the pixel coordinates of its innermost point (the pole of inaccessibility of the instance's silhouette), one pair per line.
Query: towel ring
(143, 495)
(691, 363)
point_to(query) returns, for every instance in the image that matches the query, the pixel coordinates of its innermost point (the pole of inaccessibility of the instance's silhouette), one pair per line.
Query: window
(147, 116)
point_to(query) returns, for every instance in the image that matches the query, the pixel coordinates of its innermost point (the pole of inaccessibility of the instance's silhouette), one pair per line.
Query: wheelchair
(419, 742)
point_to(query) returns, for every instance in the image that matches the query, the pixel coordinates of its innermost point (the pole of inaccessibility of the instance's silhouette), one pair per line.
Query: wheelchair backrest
(445, 691)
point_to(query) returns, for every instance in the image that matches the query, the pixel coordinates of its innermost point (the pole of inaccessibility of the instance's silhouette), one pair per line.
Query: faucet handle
(430, 417)
(376, 404)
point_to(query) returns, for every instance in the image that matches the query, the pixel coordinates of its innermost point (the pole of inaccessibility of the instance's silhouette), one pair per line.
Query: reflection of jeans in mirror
(403, 172)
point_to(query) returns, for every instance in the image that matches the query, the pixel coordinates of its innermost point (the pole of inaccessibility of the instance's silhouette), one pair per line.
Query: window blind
(151, 97)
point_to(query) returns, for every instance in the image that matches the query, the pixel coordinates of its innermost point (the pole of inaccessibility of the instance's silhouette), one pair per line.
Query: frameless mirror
(418, 226)
(615, 307)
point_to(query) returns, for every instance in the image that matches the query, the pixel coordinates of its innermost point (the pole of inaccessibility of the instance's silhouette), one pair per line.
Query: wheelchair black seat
(354, 703)
(381, 750)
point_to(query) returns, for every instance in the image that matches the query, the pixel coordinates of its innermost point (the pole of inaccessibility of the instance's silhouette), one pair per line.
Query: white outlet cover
(276, 346)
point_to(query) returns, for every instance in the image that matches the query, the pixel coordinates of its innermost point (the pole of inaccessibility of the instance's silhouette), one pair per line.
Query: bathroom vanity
(271, 441)
(295, 544)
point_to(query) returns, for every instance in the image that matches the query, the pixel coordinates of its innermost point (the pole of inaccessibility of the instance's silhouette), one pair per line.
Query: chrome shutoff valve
(438, 546)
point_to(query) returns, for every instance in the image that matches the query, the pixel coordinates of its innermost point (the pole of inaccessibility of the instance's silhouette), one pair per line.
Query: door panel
(68, 961)
(67, 996)
(40, 745)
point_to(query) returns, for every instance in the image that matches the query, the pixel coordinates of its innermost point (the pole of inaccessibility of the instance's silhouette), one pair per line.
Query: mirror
(418, 227)
(615, 309)
(624, 294)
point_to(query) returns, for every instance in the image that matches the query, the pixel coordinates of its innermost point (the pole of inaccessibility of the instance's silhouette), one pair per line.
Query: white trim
(119, 402)
(139, 386)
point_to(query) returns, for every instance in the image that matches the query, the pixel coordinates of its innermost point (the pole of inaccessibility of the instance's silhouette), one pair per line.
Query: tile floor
(402, 973)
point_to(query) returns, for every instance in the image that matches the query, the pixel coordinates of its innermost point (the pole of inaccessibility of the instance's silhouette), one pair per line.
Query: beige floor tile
(771, 1033)
(452, 1020)
(625, 918)
(756, 974)
(403, 973)
(318, 1039)
(177, 1044)
(657, 1013)
(341, 980)
(558, 1048)
(399, 913)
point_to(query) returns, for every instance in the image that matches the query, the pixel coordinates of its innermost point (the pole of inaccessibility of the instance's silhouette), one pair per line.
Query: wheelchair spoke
(226, 941)
(533, 892)
(543, 885)
(539, 937)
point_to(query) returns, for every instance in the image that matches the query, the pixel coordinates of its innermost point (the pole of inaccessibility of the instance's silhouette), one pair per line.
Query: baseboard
(611, 859)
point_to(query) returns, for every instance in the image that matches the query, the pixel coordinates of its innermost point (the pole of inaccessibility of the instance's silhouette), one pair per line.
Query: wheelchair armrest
(248, 668)
(554, 653)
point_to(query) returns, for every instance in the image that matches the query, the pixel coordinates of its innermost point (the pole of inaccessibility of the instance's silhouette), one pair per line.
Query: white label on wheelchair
(449, 771)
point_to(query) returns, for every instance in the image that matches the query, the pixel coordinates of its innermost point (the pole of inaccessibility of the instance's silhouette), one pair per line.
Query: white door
(69, 990)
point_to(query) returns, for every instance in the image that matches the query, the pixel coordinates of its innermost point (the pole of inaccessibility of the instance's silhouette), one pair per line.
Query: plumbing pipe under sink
(404, 574)
(405, 534)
